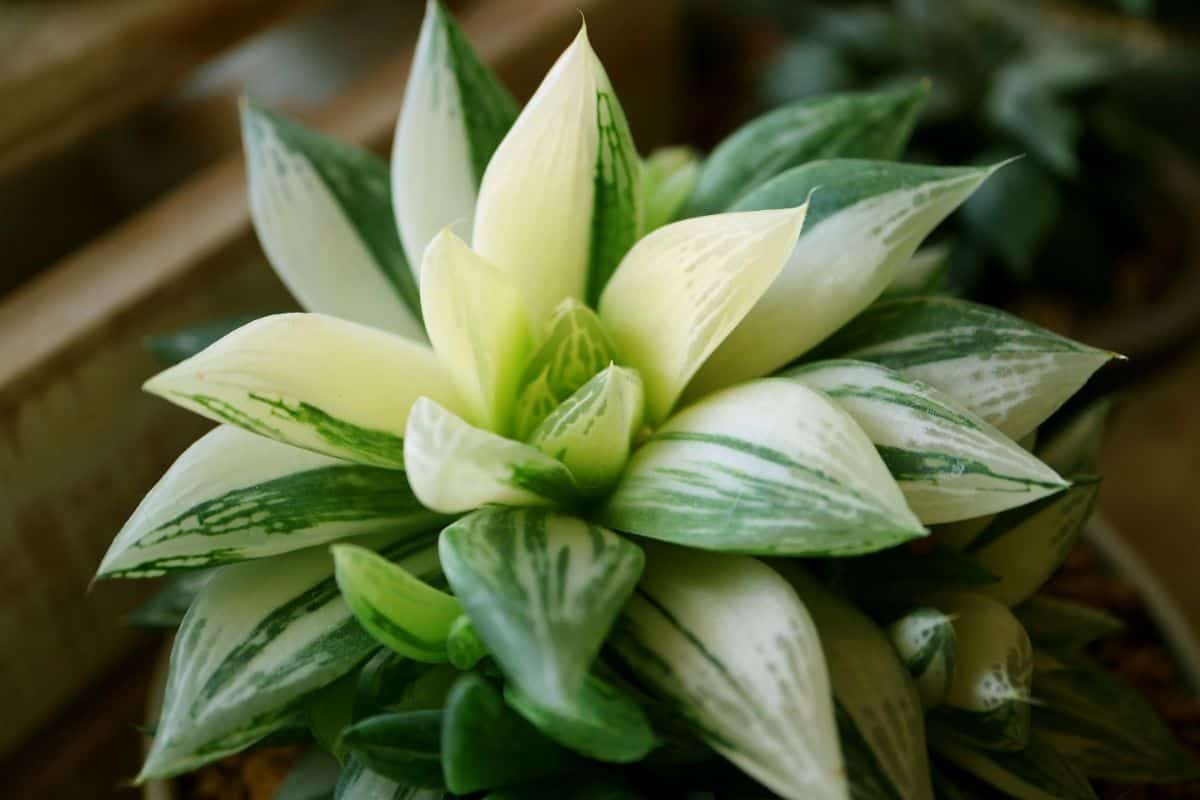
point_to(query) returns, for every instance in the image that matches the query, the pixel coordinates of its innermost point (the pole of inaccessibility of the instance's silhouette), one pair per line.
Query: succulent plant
(589, 476)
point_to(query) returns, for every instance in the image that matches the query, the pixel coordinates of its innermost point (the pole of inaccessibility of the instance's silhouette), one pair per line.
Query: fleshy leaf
(669, 177)
(592, 431)
(359, 783)
(323, 213)
(454, 115)
(401, 611)
(683, 288)
(924, 638)
(845, 125)
(478, 327)
(923, 274)
(1011, 373)
(950, 464)
(313, 777)
(1074, 448)
(174, 346)
(728, 642)
(463, 646)
(454, 467)
(167, 607)
(233, 496)
(404, 747)
(560, 202)
(767, 467)
(260, 637)
(312, 381)
(866, 219)
(1038, 772)
(1063, 626)
(542, 590)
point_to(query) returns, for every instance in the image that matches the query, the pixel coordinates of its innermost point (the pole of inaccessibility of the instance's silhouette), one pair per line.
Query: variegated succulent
(586, 475)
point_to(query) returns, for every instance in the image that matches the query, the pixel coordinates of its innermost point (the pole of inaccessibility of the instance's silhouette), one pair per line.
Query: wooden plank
(68, 67)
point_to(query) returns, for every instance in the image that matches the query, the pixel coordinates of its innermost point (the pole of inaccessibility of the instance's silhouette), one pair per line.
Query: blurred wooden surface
(69, 66)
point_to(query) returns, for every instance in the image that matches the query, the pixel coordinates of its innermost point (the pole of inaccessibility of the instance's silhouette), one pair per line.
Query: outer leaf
(593, 430)
(560, 203)
(1074, 449)
(575, 348)
(866, 220)
(845, 125)
(313, 381)
(1062, 626)
(896, 578)
(478, 326)
(950, 464)
(768, 467)
(923, 274)
(454, 115)
(669, 177)
(1026, 545)
(542, 590)
(323, 213)
(359, 783)
(454, 467)
(398, 609)
(464, 648)
(924, 638)
(233, 496)
(1007, 371)
(167, 607)
(404, 747)
(258, 638)
(174, 346)
(1038, 772)
(871, 686)
(729, 643)
(683, 288)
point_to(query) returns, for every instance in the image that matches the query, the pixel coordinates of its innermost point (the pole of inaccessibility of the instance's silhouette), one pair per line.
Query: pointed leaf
(950, 464)
(683, 288)
(1011, 373)
(454, 467)
(1039, 772)
(560, 203)
(404, 747)
(727, 641)
(592, 430)
(924, 638)
(174, 346)
(464, 648)
(167, 607)
(542, 590)
(323, 213)
(1063, 626)
(768, 467)
(233, 496)
(669, 177)
(923, 274)
(1074, 448)
(312, 381)
(359, 783)
(866, 219)
(845, 125)
(454, 115)
(478, 327)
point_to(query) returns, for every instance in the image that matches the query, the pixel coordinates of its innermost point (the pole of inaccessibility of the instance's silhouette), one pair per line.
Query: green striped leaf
(1038, 772)
(1064, 626)
(1011, 373)
(398, 609)
(1106, 728)
(866, 220)
(950, 464)
(560, 202)
(871, 686)
(592, 431)
(685, 287)
(924, 638)
(542, 590)
(1024, 547)
(359, 783)
(767, 467)
(454, 115)
(404, 747)
(454, 467)
(259, 638)
(323, 213)
(923, 274)
(464, 648)
(988, 701)
(174, 346)
(1074, 448)
(845, 125)
(669, 176)
(286, 377)
(727, 641)
(233, 496)
(575, 347)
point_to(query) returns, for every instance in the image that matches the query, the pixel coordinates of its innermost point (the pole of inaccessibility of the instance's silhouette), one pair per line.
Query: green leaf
(575, 347)
(871, 686)
(313, 777)
(1038, 772)
(167, 607)
(1024, 547)
(542, 590)
(398, 609)
(1011, 373)
(924, 638)
(725, 639)
(767, 467)
(486, 745)
(405, 747)
(454, 467)
(329, 710)
(323, 213)
(923, 274)
(454, 115)
(359, 783)
(866, 220)
(896, 577)
(950, 464)
(1074, 447)
(847, 125)
(464, 648)
(175, 346)
(1106, 728)
(259, 638)
(1064, 626)
(234, 496)
(669, 176)
(592, 431)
